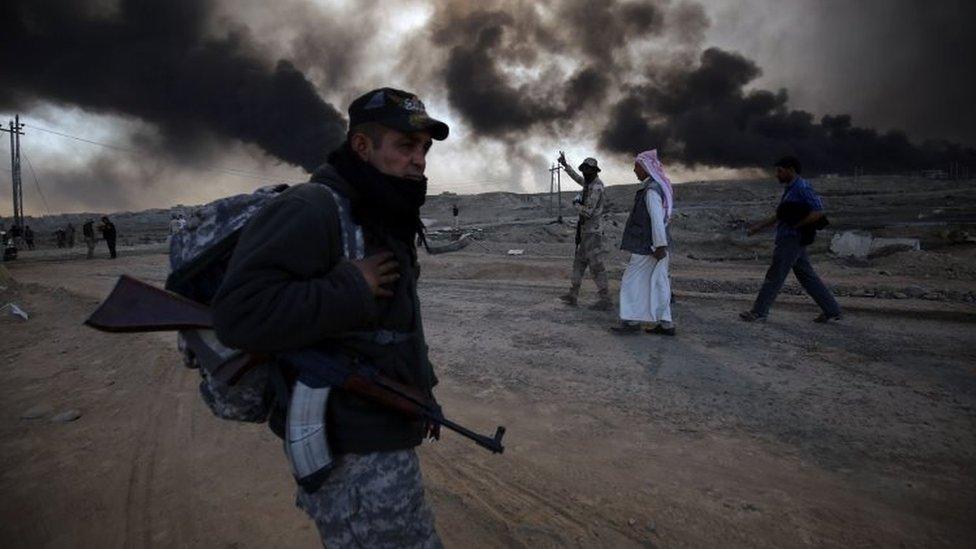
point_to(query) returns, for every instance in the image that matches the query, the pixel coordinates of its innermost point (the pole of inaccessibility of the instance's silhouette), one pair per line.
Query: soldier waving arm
(573, 174)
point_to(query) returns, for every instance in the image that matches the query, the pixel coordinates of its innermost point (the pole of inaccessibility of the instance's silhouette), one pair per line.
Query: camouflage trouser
(373, 500)
(590, 253)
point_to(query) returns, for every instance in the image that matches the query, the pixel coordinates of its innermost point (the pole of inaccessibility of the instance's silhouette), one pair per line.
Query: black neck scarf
(381, 202)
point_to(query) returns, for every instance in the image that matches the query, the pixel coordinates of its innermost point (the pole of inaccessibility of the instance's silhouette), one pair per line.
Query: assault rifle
(135, 306)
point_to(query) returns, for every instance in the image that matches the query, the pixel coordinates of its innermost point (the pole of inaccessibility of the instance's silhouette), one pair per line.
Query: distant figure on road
(29, 237)
(107, 229)
(88, 232)
(17, 236)
(61, 237)
(69, 231)
(455, 211)
(645, 290)
(799, 215)
(174, 224)
(590, 251)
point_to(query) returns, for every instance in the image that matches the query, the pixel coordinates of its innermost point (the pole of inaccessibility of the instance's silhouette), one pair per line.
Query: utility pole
(552, 187)
(554, 177)
(15, 132)
(559, 194)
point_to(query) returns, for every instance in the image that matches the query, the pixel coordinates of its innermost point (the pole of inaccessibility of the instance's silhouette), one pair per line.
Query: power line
(121, 148)
(470, 185)
(36, 184)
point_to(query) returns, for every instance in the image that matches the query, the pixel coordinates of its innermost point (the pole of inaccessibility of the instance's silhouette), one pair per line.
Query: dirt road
(775, 435)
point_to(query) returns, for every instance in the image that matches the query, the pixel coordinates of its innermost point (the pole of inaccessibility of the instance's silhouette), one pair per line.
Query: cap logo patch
(413, 105)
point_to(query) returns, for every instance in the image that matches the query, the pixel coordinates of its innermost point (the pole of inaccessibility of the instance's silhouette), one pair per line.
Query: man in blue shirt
(800, 209)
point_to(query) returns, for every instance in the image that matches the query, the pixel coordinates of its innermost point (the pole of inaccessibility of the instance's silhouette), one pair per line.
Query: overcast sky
(889, 64)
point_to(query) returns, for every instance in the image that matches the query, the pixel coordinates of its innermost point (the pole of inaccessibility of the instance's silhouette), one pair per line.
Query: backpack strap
(353, 244)
(354, 247)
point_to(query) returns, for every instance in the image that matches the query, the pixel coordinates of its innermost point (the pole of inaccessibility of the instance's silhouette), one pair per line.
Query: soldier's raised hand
(562, 158)
(378, 270)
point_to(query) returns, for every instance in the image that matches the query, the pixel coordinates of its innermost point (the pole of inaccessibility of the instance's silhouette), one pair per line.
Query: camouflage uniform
(373, 500)
(590, 252)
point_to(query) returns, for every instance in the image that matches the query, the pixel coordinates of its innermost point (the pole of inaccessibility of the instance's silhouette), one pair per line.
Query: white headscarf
(649, 161)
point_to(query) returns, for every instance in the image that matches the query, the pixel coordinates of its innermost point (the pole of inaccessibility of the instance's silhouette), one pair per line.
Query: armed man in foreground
(295, 282)
(590, 251)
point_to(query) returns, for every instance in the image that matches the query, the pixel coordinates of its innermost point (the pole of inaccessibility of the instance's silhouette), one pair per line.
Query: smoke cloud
(156, 60)
(637, 72)
(210, 76)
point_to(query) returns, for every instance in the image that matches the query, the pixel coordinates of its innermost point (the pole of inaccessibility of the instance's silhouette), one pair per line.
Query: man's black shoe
(824, 318)
(625, 328)
(661, 330)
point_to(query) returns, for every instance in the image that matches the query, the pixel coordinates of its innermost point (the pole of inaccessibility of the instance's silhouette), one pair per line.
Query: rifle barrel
(493, 444)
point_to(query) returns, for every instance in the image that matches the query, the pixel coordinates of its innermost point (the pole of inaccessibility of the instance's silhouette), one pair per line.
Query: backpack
(199, 257)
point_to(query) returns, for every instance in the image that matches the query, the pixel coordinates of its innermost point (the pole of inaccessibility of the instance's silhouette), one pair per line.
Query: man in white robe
(645, 291)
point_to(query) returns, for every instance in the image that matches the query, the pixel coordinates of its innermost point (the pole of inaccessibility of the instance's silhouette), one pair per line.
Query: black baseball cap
(395, 109)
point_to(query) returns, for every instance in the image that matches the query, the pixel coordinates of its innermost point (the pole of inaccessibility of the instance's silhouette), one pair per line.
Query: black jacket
(288, 288)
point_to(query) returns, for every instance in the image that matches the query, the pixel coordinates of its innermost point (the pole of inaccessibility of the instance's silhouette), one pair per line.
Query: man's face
(398, 153)
(785, 175)
(640, 172)
(588, 172)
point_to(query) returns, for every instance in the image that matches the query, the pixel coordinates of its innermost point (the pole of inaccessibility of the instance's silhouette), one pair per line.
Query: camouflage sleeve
(594, 198)
(287, 285)
(573, 174)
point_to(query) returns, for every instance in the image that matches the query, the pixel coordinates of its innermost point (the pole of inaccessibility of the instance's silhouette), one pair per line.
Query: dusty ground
(777, 435)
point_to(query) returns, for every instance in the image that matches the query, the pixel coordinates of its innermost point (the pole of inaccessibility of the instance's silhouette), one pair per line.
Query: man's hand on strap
(378, 270)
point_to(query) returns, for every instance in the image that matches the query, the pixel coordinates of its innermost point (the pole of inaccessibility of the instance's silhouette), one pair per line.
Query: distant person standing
(29, 237)
(107, 229)
(70, 234)
(17, 236)
(88, 232)
(455, 211)
(61, 236)
(799, 215)
(590, 251)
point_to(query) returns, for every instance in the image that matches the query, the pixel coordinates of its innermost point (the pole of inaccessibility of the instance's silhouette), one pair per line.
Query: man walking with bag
(797, 218)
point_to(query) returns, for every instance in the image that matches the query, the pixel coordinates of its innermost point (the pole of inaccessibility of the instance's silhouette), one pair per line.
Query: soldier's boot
(604, 303)
(571, 298)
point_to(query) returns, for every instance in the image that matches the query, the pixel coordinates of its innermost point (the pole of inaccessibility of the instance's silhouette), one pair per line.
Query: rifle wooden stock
(136, 306)
(370, 390)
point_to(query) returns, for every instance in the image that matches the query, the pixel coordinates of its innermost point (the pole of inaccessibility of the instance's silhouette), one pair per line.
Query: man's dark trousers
(789, 254)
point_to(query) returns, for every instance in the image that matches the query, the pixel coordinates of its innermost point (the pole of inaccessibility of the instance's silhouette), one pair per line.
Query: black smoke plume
(705, 116)
(156, 60)
(642, 80)
(484, 46)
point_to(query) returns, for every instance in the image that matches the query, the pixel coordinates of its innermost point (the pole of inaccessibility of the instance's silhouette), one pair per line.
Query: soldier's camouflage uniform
(373, 500)
(590, 252)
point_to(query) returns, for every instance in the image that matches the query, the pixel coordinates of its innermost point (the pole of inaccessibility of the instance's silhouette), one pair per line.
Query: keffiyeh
(652, 165)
